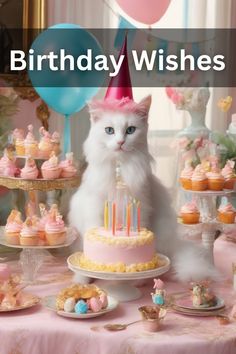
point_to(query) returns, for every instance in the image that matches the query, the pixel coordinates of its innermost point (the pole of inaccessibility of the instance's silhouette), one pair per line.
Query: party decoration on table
(202, 295)
(71, 90)
(224, 104)
(152, 317)
(158, 297)
(81, 299)
(145, 13)
(12, 297)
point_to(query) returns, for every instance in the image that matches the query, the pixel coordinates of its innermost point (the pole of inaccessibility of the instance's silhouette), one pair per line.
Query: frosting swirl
(228, 170)
(190, 207)
(199, 174)
(226, 208)
(187, 172)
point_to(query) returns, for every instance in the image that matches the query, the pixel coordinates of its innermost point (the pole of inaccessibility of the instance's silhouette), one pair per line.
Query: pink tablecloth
(40, 331)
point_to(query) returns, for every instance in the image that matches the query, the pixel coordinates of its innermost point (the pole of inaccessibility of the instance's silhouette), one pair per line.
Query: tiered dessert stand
(209, 225)
(120, 285)
(31, 258)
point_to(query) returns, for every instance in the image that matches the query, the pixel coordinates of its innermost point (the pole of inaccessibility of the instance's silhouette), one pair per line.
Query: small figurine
(158, 297)
(202, 296)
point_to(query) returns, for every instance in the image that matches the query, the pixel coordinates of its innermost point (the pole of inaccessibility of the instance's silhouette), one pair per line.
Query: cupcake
(55, 229)
(186, 175)
(190, 213)
(7, 164)
(229, 174)
(18, 136)
(30, 170)
(56, 143)
(29, 233)
(13, 228)
(226, 213)
(50, 169)
(45, 145)
(31, 144)
(215, 181)
(67, 166)
(199, 179)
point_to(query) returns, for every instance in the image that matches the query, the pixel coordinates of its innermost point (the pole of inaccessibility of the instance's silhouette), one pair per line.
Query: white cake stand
(32, 257)
(119, 285)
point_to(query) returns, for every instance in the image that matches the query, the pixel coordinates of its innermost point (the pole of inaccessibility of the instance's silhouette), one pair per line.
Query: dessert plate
(50, 303)
(186, 304)
(28, 302)
(198, 313)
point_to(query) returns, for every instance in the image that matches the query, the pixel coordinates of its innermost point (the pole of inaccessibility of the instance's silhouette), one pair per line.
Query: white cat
(119, 132)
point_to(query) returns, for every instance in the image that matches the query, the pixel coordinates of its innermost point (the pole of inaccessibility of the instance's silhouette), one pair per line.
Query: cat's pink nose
(121, 142)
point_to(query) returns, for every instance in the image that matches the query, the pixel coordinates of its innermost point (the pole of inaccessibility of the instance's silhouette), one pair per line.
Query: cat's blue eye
(109, 130)
(130, 130)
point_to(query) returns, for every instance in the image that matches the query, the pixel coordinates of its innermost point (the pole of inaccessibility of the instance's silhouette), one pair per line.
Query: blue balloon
(66, 91)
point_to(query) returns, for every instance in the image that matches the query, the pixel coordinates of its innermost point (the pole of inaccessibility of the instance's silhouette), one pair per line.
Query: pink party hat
(120, 85)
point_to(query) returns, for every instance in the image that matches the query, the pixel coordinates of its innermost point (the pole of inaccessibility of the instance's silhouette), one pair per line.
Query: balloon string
(67, 135)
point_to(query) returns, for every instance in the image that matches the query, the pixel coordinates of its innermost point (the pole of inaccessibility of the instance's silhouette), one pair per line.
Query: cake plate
(32, 257)
(119, 285)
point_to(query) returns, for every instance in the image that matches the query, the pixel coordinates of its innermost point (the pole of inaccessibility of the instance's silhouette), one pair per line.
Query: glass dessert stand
(32, 257)
(207, 201)
(121, 286)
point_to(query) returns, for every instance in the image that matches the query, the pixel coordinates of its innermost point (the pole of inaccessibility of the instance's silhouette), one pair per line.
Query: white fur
(102, 152)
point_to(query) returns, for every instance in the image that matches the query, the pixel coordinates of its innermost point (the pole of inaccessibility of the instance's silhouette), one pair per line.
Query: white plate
(196, 313)
(209, 192)
(70, 238)
(186, 304)
(50, 303)
(73, 259)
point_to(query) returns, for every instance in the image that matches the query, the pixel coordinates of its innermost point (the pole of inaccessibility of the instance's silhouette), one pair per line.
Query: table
(39, 331)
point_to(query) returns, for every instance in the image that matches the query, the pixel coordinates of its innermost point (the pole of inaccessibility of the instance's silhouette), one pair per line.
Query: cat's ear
(93, 111)
(143, 107)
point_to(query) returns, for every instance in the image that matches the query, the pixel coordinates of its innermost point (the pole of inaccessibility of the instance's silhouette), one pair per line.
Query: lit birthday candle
(135, 216)
(128, 218)
(113, 218)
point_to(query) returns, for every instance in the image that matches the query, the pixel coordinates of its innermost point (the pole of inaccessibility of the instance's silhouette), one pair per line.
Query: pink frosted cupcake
(45, 145)
(42, 221)
(226, 213)
(215, 180)
(31, 144)
(67, 166)
(13, 227)
(50, 169)
(55, 229)
(30, 170)
(229, 174)
(190, 213)
(7, 165)
(186, 175)
(18, 136)
(199, 179)
(29, 233)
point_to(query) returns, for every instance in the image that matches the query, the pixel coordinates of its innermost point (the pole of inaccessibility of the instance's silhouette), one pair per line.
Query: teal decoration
(123, 29)
(66, 92)
(67, 134)
(158, 299)
(81, 307)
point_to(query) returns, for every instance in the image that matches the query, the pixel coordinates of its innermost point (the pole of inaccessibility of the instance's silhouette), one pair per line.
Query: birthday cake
(122, 245)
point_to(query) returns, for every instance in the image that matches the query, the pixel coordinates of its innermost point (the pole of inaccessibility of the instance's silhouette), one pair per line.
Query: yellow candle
(106, 215)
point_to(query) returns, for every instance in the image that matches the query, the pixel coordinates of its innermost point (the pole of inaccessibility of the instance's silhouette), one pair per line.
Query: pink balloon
(145, 11)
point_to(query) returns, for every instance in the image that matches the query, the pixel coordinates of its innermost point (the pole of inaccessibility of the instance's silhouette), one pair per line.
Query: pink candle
(113, 218)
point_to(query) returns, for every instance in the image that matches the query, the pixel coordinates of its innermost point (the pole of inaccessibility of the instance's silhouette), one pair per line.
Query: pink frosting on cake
(104, 253)
(5, 272)
(51, 164)
(13, 226)
(7, 165)
(67, 166)
(29, 229)
(187, 172)
(226, 208)
(214, 175)
(30, 139)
